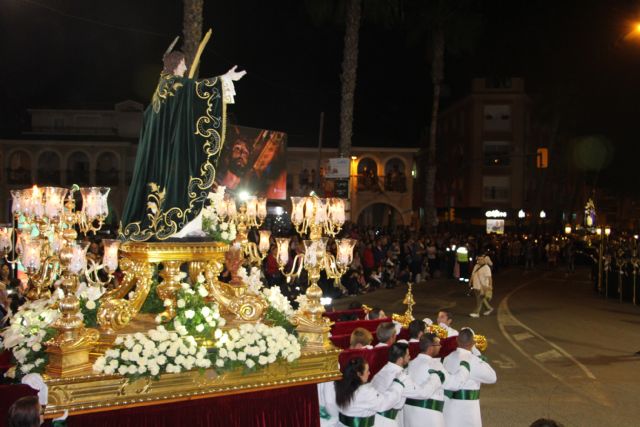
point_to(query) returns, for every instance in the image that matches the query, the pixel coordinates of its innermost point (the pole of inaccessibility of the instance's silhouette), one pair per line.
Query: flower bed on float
(193, 340)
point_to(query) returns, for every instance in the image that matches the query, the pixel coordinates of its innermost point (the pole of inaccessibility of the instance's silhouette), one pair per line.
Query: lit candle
(78, 261)
(321, 211)
(110, 258)
(321, 248)
(252, 207)
(5, 239)
(31, 254)
(283, 250)
(54, 197)
(336, 212)
(309, 204)
(103, 206)
(297, 210)
(310, 253)
(17, 202)
(344, 254)
(262, 208)
(36, 207)
(264, 244)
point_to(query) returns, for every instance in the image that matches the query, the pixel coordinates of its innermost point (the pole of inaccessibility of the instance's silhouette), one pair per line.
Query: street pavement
(559, 350)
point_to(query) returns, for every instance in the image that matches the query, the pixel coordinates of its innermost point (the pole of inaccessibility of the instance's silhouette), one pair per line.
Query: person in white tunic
(384, 379)
(328, 407)
(482, 284)
(416, 329)
(358, 401)
(462, 407)
(424, 408)
(386, 334)
(444, 321)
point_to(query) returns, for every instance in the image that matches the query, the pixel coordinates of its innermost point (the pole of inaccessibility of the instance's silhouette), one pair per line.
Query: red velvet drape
(284, 407)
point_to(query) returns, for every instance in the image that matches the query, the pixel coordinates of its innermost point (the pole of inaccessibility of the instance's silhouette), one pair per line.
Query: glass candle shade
(283, 250)
(264, 243)
(31, 253)
(110, 257)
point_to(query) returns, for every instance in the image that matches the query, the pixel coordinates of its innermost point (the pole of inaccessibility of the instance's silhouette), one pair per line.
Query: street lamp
(607, 231)
(543, 214)
(567, 229)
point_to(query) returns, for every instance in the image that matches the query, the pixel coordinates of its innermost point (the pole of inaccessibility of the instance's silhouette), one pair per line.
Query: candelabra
(251, 213)
(315, 216)
(53, 254)
(409, 301)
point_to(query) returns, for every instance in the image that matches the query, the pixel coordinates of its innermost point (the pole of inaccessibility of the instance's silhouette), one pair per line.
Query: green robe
(181, 139)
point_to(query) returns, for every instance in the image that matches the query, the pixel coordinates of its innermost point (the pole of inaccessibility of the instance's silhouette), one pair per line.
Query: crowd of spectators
(386, 257)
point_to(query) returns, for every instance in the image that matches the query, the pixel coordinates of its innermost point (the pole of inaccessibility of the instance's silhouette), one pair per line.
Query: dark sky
(79, 54)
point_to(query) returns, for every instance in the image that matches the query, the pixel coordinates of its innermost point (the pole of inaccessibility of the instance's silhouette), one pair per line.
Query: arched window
(107, 169)
(48, 171)
(19, 170)
(78, 168)
(368, 175)
(395, 178)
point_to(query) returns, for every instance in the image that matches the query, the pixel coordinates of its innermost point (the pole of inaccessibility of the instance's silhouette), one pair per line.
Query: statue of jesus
(181, 139)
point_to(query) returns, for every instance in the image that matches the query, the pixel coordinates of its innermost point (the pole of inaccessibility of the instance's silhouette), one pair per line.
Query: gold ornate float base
(97, 393)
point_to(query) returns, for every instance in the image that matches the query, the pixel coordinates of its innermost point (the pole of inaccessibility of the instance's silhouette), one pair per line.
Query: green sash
(391, 414)
(356, 421)
(435, 405)
(324, 414)
(463, 394)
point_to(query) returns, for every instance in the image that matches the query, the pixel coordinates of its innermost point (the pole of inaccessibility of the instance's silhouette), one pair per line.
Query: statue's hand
(235, 75)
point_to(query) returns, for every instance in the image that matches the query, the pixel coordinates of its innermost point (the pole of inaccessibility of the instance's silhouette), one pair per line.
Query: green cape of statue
(181, 139)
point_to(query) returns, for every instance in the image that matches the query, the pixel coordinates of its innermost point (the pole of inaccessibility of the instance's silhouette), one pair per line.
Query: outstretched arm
(233, 74)
(227, 79)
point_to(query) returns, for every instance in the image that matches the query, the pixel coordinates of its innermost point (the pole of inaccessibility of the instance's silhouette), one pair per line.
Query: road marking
(506, 318)
(522, 336)
(504, 362)
(548, 355)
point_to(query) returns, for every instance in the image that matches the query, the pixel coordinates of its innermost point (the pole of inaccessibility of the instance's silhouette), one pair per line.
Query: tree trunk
(437, 75)
(348, 78)
(191, 29)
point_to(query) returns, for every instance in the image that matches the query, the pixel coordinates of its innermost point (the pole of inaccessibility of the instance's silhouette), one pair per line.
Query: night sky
(92, 54)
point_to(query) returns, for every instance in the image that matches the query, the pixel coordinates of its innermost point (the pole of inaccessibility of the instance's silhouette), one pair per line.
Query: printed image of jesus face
(239, 157)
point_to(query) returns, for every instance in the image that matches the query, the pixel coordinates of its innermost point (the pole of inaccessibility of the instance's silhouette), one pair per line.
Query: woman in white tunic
(358, 401)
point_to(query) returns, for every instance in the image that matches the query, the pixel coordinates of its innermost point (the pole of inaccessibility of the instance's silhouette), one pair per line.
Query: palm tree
(440, 26)
(191, 28)
(350, 14)
(348, 77)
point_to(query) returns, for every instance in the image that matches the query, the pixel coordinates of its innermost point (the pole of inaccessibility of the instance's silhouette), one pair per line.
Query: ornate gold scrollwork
(115, 310)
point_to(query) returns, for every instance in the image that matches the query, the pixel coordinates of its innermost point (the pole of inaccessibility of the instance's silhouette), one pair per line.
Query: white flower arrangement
(89, 297)
(195, 316)
(30, 329)
(253, 279)
(278, 301)
(256, 345)
(157, 352)
(212, 223)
